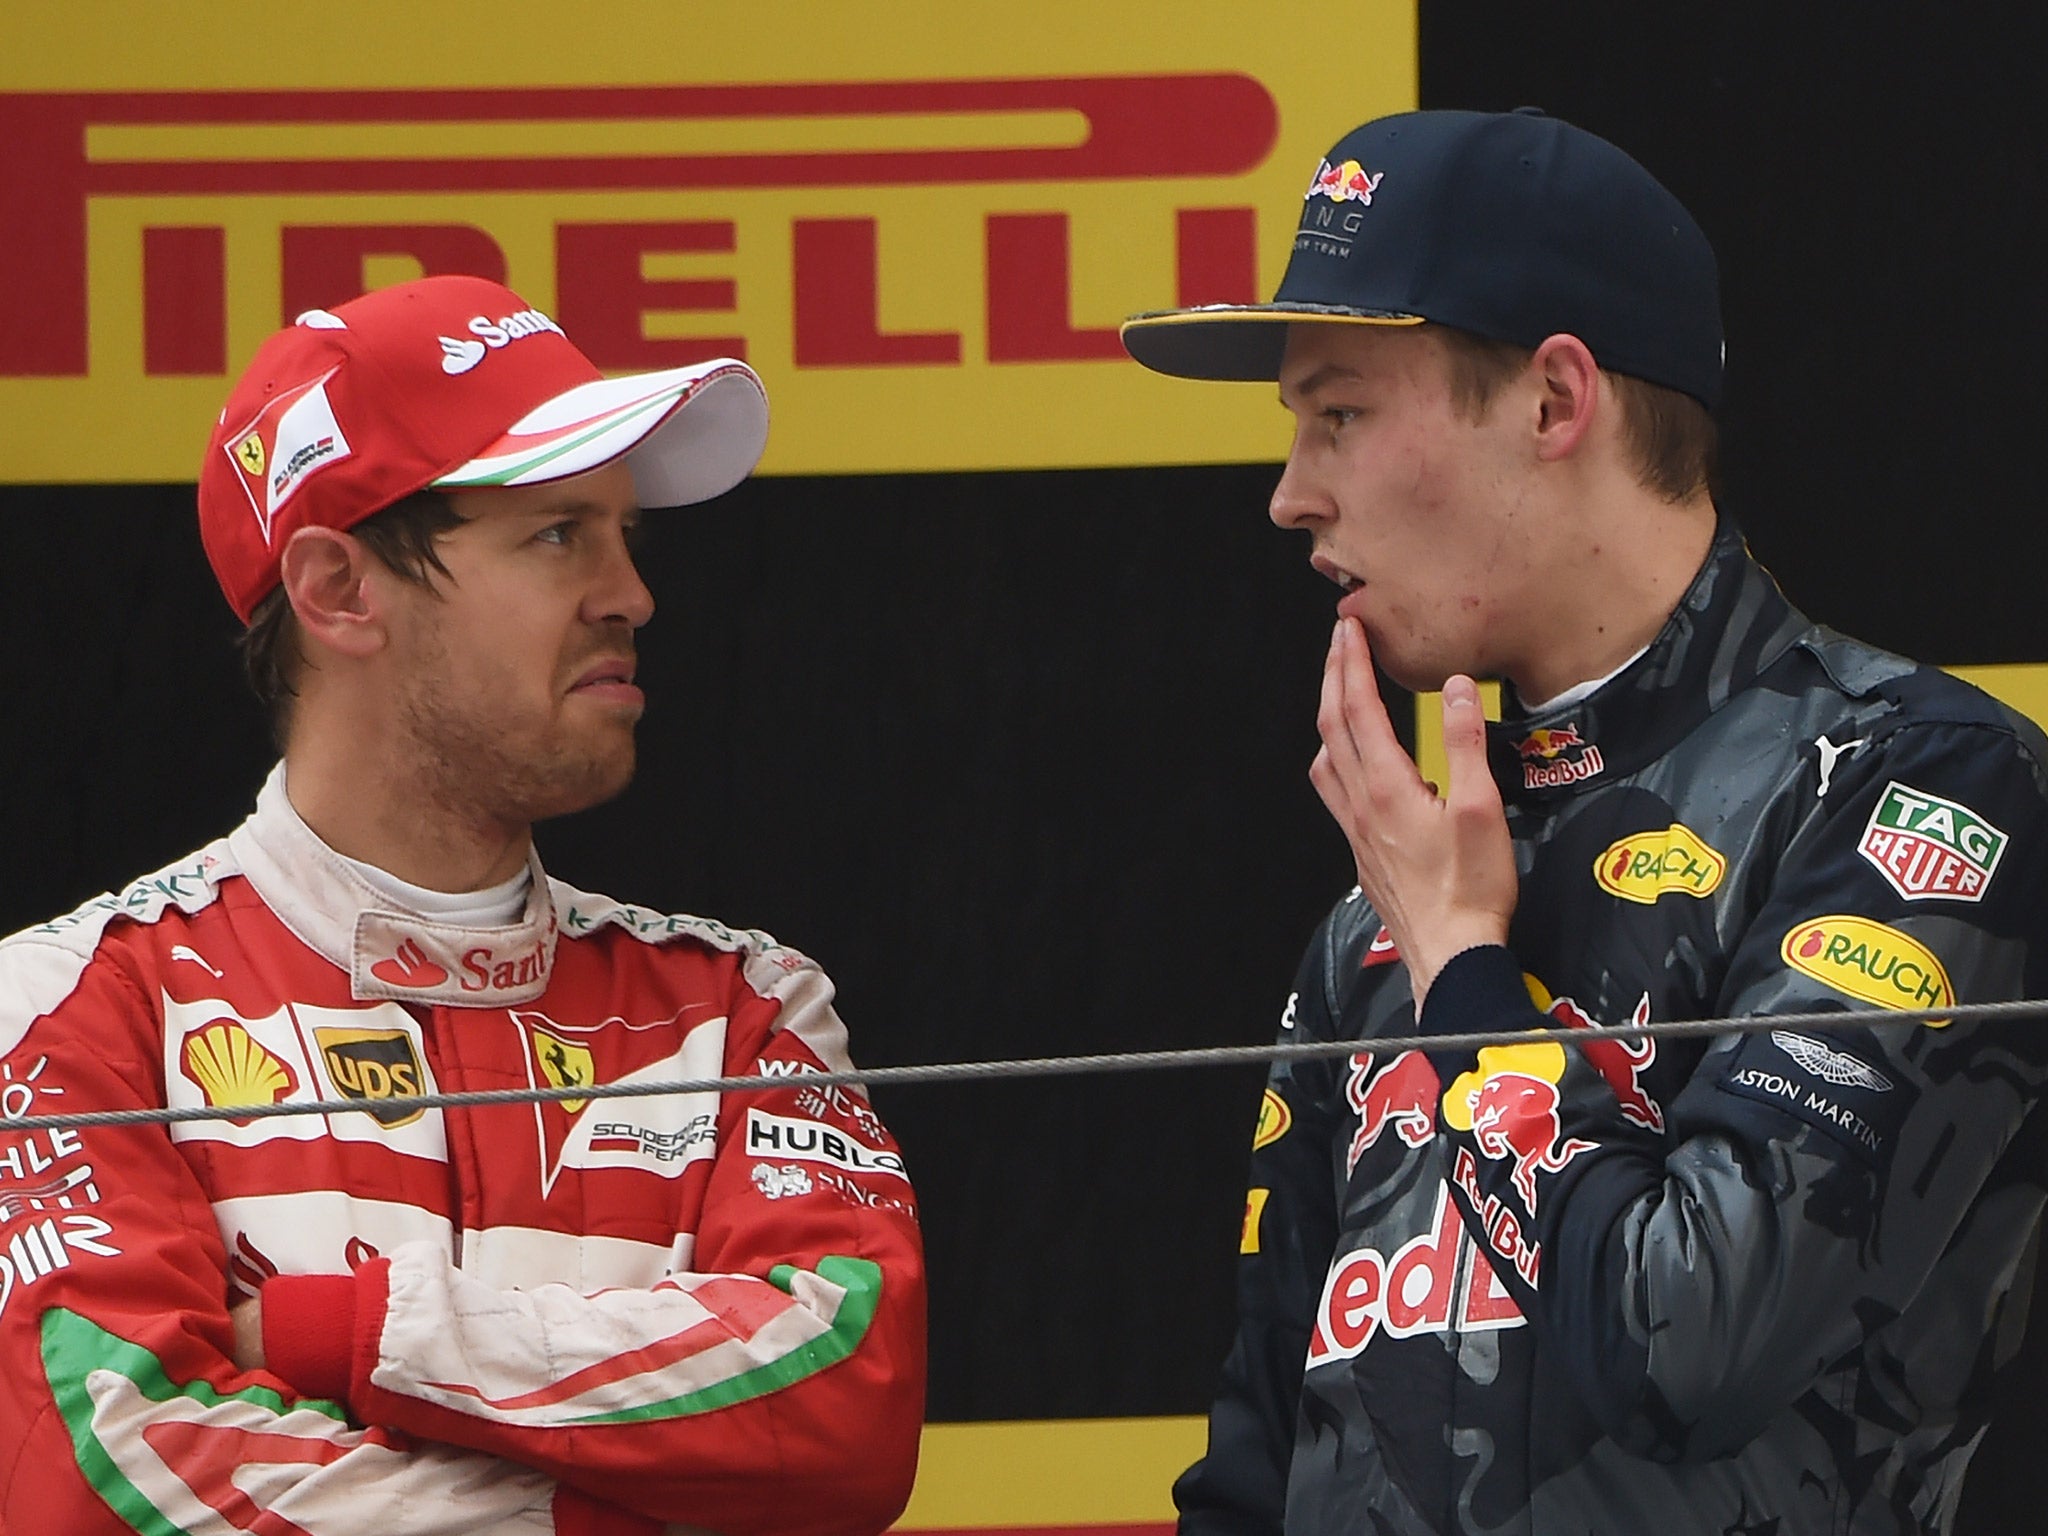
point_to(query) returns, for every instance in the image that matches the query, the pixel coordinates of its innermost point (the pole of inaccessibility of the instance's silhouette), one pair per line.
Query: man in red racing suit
(612, 1315)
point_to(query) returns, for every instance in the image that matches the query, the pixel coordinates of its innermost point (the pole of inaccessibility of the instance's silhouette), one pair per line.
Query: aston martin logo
(1823, 1061)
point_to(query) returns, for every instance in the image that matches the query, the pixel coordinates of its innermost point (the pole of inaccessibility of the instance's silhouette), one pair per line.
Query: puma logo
(1830, 754)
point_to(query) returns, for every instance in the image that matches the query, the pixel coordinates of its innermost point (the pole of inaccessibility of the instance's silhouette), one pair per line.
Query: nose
(1296, 502)
(619, 596)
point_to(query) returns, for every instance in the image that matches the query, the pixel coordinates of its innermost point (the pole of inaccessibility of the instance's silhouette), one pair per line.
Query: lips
(609, 677)
(1330, 570)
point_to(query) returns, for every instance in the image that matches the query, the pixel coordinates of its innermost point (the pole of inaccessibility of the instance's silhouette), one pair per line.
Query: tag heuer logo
(374, 1064)
(1928, 848)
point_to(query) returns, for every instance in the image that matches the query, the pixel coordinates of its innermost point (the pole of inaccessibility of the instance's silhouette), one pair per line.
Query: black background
(1020, 757)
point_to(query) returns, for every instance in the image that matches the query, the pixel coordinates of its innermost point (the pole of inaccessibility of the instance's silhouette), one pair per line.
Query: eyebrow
(1329, 373)
(580, 506)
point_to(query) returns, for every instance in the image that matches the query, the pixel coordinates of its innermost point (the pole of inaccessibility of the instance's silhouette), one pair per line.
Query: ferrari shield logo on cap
(303, 438)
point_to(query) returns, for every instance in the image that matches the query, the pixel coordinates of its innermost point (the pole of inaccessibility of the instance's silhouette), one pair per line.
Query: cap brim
(1234, 341)
(687, 434)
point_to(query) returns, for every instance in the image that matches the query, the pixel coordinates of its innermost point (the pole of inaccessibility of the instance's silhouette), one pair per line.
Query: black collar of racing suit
(1732, 623)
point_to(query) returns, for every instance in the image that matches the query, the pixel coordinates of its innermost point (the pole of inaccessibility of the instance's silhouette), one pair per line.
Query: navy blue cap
(1511, 225)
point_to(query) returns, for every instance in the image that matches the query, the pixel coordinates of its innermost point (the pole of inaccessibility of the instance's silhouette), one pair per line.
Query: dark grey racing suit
(1754, 1284)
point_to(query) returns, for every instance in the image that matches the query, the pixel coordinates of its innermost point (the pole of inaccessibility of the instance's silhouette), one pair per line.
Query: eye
(563, 532)
(1339, 415)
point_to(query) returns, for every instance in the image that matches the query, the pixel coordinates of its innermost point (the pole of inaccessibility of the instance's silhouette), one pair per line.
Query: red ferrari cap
(448, 382)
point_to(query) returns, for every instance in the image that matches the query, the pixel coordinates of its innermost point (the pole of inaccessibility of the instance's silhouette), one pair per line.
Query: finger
(1329, 787)
(1332, 721)
(1472, 784)
(1364, 710)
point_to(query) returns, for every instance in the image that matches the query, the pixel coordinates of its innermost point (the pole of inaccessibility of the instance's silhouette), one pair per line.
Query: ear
(325, 574)
(1569, 380)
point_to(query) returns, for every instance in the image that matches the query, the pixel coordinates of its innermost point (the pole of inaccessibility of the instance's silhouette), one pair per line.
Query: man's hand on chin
(1439, 872)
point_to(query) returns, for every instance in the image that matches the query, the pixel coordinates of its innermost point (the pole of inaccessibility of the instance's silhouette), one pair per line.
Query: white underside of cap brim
(687, 434)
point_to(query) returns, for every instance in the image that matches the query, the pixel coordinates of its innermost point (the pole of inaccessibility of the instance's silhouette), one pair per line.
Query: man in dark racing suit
(1753, 1283)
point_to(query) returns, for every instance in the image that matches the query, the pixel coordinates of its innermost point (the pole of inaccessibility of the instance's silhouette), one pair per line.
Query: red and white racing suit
(587, 1316)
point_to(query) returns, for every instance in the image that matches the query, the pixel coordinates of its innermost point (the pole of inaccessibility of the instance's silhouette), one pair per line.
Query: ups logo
(374, 1064)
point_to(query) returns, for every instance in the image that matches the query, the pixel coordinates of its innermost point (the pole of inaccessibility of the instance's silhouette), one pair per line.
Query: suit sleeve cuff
(309, 1333)
(1480, 988)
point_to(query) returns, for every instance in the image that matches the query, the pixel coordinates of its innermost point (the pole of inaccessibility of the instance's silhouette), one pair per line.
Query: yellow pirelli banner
(1072, 1477)
(920, 223)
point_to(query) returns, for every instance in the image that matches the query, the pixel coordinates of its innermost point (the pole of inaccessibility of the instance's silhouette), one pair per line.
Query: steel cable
(1043, 1066)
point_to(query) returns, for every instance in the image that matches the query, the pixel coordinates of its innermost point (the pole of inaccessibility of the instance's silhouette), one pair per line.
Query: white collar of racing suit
(388, 951)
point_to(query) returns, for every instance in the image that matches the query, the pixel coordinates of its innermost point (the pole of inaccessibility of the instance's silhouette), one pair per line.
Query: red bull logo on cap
(1349, 182)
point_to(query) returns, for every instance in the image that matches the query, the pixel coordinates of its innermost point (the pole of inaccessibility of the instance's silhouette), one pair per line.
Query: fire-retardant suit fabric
(591, 1316)
(1749, 1283)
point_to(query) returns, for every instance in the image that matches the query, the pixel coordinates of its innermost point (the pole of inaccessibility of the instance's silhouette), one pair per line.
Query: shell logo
(1274, 1119)
(232, 1069)
(1869, 960)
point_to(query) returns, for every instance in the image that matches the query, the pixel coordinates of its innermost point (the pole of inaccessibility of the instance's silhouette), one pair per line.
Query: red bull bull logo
(1400, 1095)
(1621, 1062)
(1508, 1103)
(1549, 742)
(1558, 754)
(1348, 182)
(1515, 1116)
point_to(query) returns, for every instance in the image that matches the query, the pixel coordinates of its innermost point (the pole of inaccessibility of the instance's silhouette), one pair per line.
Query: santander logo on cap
(459, 355)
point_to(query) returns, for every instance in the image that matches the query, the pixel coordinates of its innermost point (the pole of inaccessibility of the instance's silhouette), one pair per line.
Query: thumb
(1465, 743)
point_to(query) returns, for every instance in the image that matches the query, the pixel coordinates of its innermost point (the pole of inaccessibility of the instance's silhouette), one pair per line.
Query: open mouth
(1330, 570)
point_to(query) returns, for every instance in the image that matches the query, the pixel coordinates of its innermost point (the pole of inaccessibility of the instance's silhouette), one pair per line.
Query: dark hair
(402, 536)
(1670, 436)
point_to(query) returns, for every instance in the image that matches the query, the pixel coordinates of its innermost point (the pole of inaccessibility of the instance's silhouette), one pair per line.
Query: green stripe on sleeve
(75, 1347)
(861, 1279)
